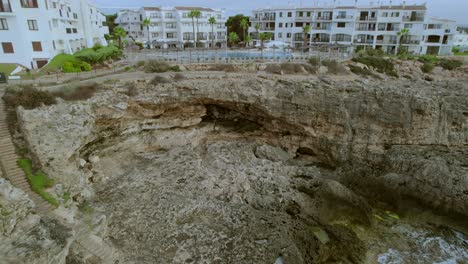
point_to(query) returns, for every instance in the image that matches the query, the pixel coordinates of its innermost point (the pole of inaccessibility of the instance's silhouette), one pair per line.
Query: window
(385, 14)
(301, 14)
(36, 45)
(53, 44)
(32, 24)
(155, 15)
(168, 15)
(69, 9)
(280, 14)
(29, 3)
(341, 24)
(68, 30)
(75, 15)
(54, 5)
(280, 25)
(154, 34)
(171, 25)
(309, 14)
(381, 26)
(289, 14)
(408, 25)
(74, 30)
(288, 35)
(7, 47)
(170, 35)
(395, 14)
(3, 24)
(280, 35)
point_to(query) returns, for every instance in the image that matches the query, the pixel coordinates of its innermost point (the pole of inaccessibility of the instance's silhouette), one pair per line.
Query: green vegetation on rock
(382, 65)
(7, 68)
(38, 181)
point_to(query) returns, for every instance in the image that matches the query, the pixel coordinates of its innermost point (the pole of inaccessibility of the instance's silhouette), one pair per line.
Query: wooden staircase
(9, 167)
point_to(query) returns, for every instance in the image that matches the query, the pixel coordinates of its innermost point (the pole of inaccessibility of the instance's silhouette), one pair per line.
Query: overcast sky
(450, 9)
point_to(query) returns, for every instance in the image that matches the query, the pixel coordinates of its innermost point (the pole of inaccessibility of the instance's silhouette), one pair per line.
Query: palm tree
(244, 24)
(401, 34)
(248, 39)
(257, 28)
(233, 38)
(192, 15)
(305, 32)
(264, 36)
(119, 33)
(197, 15)
(146, 22)
(212, 21)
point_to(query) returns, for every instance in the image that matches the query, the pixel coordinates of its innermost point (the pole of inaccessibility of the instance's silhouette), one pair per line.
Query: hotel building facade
(34, 31)
(354, 27)
(171, 27)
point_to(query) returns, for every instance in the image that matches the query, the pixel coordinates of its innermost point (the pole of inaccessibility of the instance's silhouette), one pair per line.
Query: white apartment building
(33, 31)
(351, 27)
(172, 28)
(461, 41)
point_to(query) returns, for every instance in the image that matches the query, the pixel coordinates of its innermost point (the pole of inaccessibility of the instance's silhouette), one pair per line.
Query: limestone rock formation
(247, 170)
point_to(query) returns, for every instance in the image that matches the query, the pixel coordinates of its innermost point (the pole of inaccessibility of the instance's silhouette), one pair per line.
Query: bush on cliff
(382, 65)
(83, 92)
(427, 67)
(450, 64)
(29, 98)
(155, 66)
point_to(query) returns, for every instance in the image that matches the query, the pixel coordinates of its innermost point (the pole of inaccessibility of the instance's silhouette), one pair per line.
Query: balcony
(5, 6)
(324, 18)
(386, 42)
(413, 19)
(321, 40)
(267, 18)
(367, 19)
(29, 4)
(410, 42)
(321, 28)
(364, 41)
(365, 29)
(344, 17)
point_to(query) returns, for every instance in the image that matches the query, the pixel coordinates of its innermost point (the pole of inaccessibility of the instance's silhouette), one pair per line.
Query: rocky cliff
(252, 169)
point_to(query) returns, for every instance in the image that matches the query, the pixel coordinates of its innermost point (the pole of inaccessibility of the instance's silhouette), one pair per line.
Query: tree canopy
(234, 25)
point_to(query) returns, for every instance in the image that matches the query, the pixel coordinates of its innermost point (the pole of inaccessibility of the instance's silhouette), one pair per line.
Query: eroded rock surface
(231, 170)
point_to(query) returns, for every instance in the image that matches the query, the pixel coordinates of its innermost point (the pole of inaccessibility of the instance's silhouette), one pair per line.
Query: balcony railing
(321, 28)
(367, 18)
(413, 19)
(344, 17)
(318, 40)
(380, 41)
(267, 28)
(410, 42)
(365, 29)
(364, 41)
(5, 6)
(326, 18)
(268, 18)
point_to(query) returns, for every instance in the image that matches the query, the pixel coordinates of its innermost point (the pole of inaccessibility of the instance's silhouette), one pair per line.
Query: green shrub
(428, 58)
(334, 67)
(70, 67)
(100, 55)
(83, 92)
(29, 98)
(314, 61)
(455, 50)
(382, 65)
(57, 62)
(159, 80)
(160, 66)
(84, 66)
(363, 72)
(427, 67)
(450, 64)
(140, 64)
(38, 181)
(372, 52)
(97, 46)
(139, 44)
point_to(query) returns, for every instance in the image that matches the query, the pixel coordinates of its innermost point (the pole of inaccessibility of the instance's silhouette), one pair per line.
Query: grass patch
(7, 68)
(38, 181)
(57, 62)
